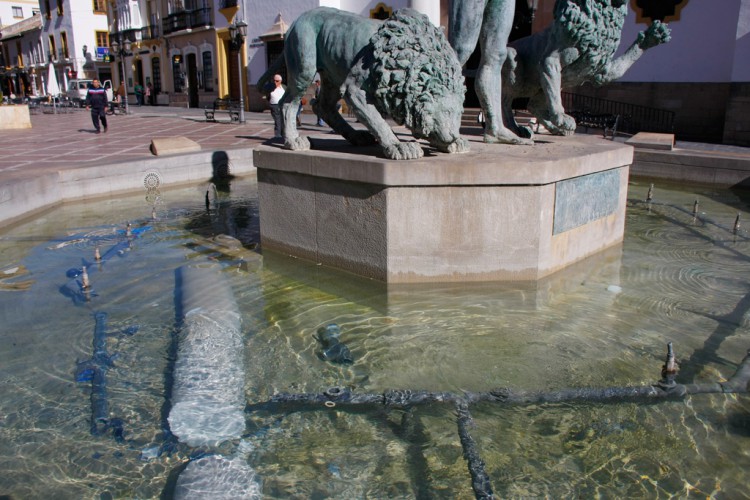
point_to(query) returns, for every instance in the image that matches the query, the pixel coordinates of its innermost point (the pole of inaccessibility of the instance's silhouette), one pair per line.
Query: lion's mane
(412, 65)
(594, 27)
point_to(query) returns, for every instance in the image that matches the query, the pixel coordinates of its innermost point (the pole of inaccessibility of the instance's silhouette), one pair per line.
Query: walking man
(96, 101)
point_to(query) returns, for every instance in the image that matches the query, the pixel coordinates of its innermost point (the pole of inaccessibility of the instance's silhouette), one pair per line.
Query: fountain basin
(495, 213)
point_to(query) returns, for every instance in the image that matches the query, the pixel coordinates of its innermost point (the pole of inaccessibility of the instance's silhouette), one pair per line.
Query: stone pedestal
(14, 117)
(496, 213)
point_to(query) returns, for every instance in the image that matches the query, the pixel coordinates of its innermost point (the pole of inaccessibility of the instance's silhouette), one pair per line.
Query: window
(47, 10)
(100, 6)
(381, 11)
(59, 7)
(64, 44)
(102, 38)
(52, 48)
(19, 55)
(18, 12)
(177, 77)
(208, 71)
(156, 74)
(34, 12)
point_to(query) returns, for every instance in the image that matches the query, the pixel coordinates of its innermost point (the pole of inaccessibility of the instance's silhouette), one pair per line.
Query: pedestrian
(314, 103)
(274, 100)
(138, 94)
(96, 101)
(150, 94)
(122, 95)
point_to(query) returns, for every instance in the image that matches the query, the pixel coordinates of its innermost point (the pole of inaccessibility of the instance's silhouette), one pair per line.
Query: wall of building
(702, 74)
(7, 15)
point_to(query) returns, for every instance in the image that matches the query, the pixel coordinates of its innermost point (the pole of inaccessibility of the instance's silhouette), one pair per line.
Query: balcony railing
(149, 32)
(187, 20)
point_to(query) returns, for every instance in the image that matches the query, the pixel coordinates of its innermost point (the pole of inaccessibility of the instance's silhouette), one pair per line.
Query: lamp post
(121, 52)
(237, 34)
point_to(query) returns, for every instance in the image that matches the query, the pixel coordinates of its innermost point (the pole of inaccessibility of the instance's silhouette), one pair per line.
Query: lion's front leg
(369, 116)
(554, 117)
(460, 145)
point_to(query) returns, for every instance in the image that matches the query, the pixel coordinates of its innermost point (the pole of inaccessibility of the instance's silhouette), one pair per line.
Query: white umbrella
(53, 88)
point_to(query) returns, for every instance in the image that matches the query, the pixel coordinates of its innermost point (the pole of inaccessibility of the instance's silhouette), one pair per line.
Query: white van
(77, 90)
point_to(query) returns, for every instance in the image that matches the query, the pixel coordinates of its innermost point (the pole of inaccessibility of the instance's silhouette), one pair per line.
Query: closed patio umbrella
(53, 88)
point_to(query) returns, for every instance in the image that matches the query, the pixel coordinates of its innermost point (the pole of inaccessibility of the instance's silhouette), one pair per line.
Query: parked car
(77, 90)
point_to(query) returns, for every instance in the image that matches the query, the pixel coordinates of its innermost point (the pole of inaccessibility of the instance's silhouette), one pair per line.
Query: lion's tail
(274, 68)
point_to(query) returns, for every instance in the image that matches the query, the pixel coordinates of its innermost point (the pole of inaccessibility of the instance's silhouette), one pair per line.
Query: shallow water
(605, 321)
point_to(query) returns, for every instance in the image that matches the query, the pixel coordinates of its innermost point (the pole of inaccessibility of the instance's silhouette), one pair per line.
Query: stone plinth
(651, 140)
(496, 213)
(14, 117)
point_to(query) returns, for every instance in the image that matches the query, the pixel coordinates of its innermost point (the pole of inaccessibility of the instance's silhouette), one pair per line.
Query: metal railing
(187, 19)
(150, 32)
(633, 118)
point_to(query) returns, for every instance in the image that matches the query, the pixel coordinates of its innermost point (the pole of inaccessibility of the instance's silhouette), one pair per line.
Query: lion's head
(594, 26)
(417, 78)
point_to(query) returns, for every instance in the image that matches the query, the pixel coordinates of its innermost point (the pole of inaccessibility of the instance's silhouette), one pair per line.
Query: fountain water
(603, 323)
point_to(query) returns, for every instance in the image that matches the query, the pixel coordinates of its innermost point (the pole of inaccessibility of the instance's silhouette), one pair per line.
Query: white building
(13, 11)
(73, 32)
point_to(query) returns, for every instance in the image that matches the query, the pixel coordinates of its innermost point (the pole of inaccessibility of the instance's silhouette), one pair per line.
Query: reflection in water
(603, 322)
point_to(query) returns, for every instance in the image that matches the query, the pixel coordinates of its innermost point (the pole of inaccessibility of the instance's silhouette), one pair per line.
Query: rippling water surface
(677, 277)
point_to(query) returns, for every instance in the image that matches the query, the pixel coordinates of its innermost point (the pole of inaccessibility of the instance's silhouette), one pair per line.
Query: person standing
(138, 94)
(96, 101)
(314, 103)
(150, 94)
(274, 100)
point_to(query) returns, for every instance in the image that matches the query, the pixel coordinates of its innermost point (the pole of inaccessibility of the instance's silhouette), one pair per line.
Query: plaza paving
(66, 141)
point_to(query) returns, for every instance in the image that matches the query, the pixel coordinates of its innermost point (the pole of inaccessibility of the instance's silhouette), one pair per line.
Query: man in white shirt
(274, 100)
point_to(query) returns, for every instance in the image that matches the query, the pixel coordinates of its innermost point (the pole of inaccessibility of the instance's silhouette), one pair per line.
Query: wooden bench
(228, 106)
(606, 122)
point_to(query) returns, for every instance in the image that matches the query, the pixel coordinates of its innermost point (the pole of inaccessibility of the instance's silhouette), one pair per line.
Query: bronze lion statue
(578, 47)
(402, 67)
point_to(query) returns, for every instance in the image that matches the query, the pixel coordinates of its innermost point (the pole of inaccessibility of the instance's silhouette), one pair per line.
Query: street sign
(102, 54)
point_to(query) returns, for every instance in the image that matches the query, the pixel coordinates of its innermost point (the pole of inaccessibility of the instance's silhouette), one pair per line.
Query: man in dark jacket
(96, 101)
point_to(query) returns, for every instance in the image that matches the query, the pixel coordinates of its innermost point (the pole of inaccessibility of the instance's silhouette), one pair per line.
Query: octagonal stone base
(497, 212)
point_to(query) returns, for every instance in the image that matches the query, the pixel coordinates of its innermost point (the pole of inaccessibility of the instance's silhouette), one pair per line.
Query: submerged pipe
(79, 287)
(94, 370)
(480, 481)
(664, 390)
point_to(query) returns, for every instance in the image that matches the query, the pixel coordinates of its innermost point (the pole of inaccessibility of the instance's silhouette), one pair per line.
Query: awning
(276, 32)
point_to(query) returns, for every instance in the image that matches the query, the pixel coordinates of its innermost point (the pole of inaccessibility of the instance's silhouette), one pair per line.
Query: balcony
(187, 19)
(228, 3)
(133, 35)
(150, 33)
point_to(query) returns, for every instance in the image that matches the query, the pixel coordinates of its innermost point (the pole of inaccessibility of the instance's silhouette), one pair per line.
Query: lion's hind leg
(292, 139)
(329, 112)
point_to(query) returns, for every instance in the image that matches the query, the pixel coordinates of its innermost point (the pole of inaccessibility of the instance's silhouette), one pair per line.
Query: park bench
(228, 106)
(607, 122)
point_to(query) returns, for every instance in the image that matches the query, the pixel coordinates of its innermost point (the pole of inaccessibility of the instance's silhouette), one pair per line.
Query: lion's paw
(656, 34)
(404, 151)
(361, 138)
(563, 125)
(299, 143)
(460, 145)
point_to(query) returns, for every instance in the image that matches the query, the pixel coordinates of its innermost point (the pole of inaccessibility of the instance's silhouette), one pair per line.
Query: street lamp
(237, 34)
(121, 52)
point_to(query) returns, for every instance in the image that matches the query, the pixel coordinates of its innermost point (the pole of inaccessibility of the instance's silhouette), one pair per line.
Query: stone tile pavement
(61, 141)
